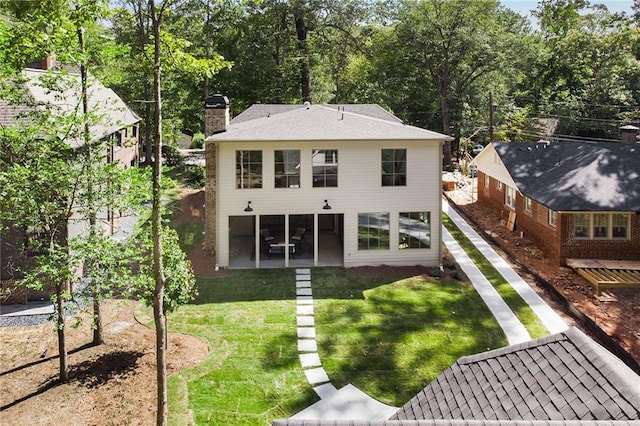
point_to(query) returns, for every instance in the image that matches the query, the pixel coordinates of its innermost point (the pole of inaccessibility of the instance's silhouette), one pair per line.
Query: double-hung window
(553, 218)
(287, 168)
(527, 204)
(414, 230)
(620, 225)
(394, 167)
(324, 164)
(248, 169)
(510, 197)
(373, 231)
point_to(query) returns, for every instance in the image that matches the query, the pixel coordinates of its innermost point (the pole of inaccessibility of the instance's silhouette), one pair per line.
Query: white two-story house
(315, 185)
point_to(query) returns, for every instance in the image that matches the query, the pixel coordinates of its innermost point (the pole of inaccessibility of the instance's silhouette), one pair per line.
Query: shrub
(194, 176)
(171, 155)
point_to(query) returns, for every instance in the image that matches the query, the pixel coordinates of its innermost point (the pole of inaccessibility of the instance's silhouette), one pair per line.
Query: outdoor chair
(266, 235)
(298, 236)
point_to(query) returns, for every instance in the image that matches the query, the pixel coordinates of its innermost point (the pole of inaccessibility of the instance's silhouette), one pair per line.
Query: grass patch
(392, 337)
(522, 310)
(387, 336)
(252, 374)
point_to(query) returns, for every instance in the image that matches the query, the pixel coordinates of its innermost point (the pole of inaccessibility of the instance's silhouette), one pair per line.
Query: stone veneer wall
(211, 194)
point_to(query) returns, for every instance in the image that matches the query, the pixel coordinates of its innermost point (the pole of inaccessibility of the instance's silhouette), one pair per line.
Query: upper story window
(248, 169)
(414, 230)
(394, 167)
(287, 169)
(510, 197)
(527, 204)
(498, 185)
(373, 231)
(324, 163)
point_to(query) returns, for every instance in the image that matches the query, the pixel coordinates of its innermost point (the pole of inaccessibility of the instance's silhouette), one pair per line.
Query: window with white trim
(287, 168)
(394, 167)
(248, 169)
(620, 225)
(553, 218)
(498, 185)
(324, 165)
(414, 230)
(601, 226)
(581, 225)
(510, 197)
(487, 180)
(527, 204)
(373, 231)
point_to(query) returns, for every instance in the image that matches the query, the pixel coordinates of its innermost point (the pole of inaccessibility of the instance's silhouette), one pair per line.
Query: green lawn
(389, 337)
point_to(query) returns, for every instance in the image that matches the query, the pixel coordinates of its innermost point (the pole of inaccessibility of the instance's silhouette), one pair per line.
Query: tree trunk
(60, 326)
(305, 68)
(156, 224)
(98, 337)
(148, 140)
(446, 127)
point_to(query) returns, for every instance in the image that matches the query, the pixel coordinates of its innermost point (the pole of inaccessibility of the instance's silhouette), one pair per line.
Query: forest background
(473, 69)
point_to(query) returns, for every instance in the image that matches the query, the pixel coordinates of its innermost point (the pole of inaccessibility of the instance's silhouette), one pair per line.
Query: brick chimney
(216, 115)
(629, 134)
(216, 120)
(49, 61)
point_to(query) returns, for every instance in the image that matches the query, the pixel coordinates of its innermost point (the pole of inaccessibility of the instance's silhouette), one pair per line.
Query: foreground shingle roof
(563, 377)
(575, 176)
(321, 122)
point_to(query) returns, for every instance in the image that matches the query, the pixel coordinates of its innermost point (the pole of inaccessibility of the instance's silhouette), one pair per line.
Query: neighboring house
(574, 200)
(563, 379)
(59, 91)
(310, 185)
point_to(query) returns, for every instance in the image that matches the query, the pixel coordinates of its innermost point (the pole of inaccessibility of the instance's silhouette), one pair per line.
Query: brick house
(115, 122)
(309, 185)
(572, 199)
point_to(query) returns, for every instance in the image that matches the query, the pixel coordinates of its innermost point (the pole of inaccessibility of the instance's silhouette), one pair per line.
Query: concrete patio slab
(348, 403)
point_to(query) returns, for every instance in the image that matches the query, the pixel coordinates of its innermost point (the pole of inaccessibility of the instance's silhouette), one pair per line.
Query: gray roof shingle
(322, 123)
(575, 176)
(578, 381)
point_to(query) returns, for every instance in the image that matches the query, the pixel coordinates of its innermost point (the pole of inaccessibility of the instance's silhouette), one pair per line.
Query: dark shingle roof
(563, 377)
(576, 176)
(450, 423)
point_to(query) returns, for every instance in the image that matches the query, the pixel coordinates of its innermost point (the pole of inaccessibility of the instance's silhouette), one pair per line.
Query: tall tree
(456, 42)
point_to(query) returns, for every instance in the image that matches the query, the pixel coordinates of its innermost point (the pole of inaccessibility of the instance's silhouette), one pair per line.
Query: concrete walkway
(350, 403)
(549, 318)
(347, 403)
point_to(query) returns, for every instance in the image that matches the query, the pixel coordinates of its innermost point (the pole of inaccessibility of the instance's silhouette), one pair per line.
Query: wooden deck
(604, 274)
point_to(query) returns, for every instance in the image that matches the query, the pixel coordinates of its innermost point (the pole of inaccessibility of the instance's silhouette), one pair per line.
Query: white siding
(359, 191)
(489, 163)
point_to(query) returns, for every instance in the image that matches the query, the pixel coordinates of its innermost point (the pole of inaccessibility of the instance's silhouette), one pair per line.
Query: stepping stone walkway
(307, 346)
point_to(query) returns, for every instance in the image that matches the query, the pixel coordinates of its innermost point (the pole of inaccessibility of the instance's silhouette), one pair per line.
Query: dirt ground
(619, 317)
(114, 384)
(110, 384)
